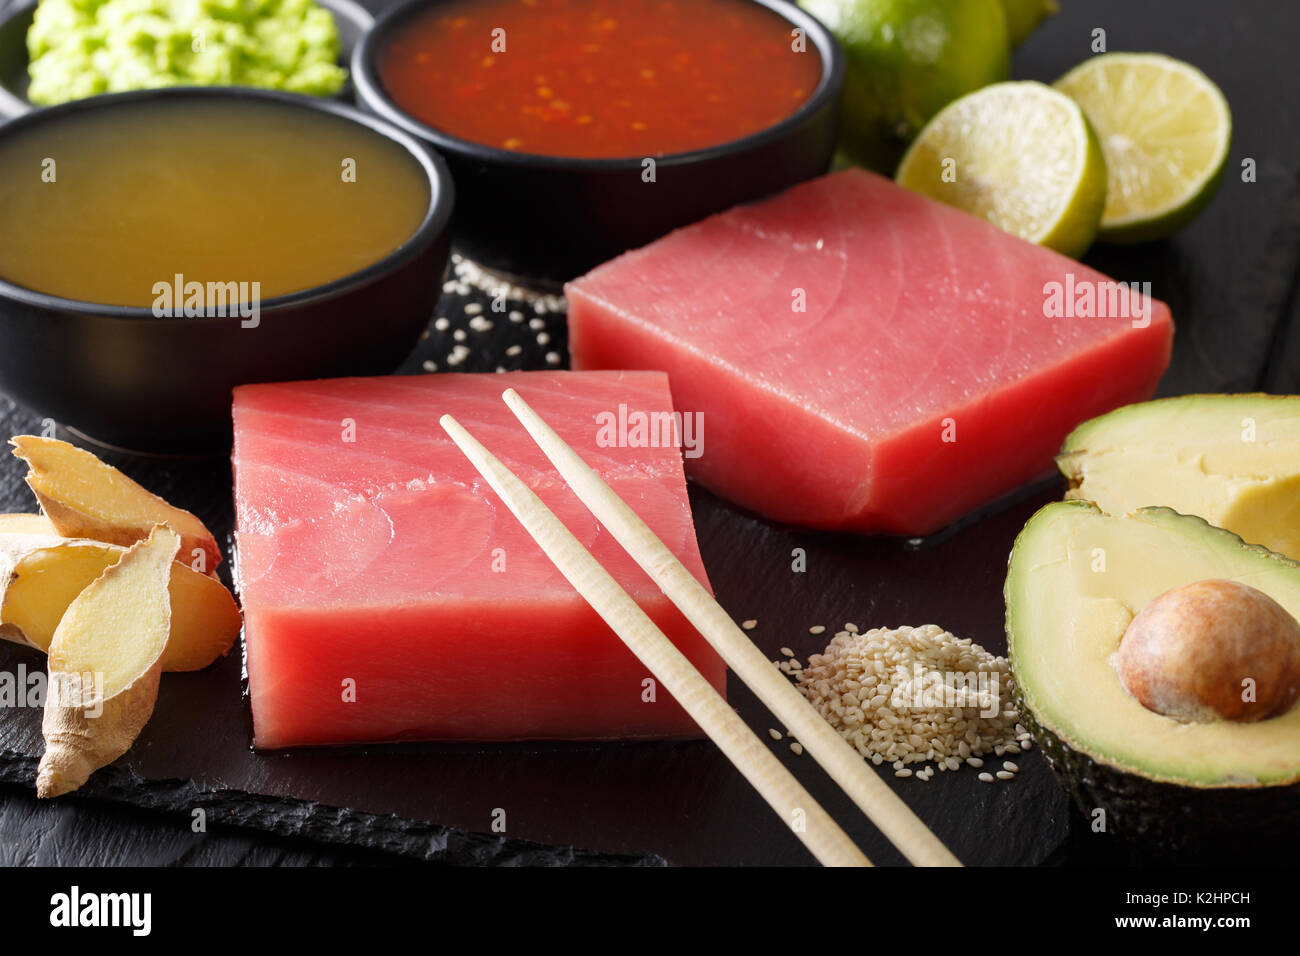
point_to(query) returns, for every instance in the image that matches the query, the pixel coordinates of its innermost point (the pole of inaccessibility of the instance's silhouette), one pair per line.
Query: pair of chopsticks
(750, 755)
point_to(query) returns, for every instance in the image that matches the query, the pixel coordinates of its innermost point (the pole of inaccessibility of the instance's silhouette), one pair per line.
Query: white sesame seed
(442, 323)
(986, 777)
(749, 625)
(516, 316)
(553, 358)
(902, 773)
(459, 335)
(543, 338)
(774, 733)
(473, 309)
(797, 748)
(1005, 774)
(817, 629)
(787, 652)
(536, 324)
(430, 365)
(1010, 766)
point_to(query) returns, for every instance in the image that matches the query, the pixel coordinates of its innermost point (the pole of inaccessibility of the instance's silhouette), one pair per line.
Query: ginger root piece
(41, 575)
(85, 498)
(13, 548)
(27, 524)
(105, 661)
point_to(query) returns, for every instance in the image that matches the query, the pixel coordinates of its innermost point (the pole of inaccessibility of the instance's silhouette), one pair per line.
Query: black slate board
(1230, 280)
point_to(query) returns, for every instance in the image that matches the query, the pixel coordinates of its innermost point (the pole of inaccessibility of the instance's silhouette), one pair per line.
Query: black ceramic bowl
(353, 20)
(124, 377)
(555, 217)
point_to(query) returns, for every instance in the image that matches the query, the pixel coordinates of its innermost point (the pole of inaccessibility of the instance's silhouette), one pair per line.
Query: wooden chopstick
(845, 766)
(813, 825)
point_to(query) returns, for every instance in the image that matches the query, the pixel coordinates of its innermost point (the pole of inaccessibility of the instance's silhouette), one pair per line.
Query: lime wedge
(1165, 129)
(1020, 155)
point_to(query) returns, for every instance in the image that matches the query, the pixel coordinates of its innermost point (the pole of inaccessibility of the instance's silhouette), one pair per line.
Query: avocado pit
(1191, 654)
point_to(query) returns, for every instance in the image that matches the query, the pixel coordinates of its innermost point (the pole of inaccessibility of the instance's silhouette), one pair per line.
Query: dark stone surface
(681, 801)
(1230, 279)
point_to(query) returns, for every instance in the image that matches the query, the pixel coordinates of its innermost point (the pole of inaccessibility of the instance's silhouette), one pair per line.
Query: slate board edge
(320, 823)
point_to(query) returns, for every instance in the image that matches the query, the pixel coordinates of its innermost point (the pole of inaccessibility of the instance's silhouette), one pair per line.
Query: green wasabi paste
(79, 48)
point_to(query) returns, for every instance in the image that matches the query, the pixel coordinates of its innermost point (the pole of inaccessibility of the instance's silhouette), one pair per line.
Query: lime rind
(1166, 131)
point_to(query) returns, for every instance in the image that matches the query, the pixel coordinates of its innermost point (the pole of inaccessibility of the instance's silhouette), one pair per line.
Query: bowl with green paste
(53, 51)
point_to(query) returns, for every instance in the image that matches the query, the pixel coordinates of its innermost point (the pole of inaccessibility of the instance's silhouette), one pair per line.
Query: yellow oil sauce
(105, 204)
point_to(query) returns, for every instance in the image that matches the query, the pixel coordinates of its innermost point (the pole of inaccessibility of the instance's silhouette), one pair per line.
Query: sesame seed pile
(892, 694)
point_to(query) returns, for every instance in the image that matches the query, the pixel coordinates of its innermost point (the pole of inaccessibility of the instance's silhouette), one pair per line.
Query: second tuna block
(390, 595)
(865, 358)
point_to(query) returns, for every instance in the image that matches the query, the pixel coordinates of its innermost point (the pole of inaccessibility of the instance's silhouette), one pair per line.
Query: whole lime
(906, 60)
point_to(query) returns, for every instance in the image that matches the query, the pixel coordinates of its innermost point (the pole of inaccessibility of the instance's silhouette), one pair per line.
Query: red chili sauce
(599, 78)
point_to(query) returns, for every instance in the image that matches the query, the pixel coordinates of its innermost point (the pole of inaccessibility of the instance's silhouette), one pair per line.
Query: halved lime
(1165, 129)
(1020, 155)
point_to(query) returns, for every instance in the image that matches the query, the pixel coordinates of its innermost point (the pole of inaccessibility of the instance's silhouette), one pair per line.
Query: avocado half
(1232, 459)
(1075, 580)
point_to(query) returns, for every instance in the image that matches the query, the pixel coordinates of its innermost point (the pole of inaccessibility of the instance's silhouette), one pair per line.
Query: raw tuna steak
(866, 358)
(389, 595)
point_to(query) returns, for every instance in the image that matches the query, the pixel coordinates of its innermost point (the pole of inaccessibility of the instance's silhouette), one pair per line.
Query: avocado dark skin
(1191, 825)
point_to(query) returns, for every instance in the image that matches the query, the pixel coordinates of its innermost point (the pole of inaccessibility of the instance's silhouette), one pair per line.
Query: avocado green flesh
(1067, 612)
(1233, 460)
